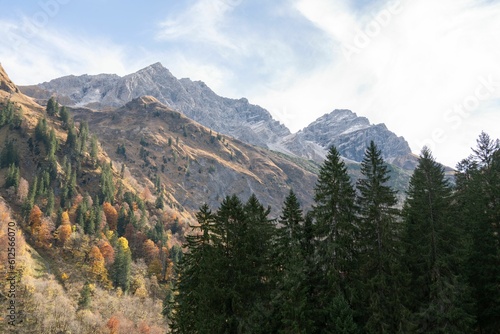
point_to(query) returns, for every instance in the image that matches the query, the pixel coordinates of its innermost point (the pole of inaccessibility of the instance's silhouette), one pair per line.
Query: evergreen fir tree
(9, 154)
(49, 208)
(380, 278)
(290, 291)
(85, 297)
(64, 115)
(437, 295)
(52, 144)
(52, 106)
(94, 150)
(198, 307)
(13, 176)
(478, 198)
(159, 202)
(121, 266)
(335, 233)
(107, 185)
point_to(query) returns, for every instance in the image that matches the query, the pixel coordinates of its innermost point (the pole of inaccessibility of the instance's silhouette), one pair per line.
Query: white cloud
(41, 54)
(201, 22)
(429, 57)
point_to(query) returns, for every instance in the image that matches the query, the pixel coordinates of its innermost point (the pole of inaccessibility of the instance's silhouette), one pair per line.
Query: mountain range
(233, 117)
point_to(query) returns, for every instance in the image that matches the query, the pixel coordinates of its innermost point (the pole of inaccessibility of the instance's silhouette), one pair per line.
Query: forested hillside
(89, 249)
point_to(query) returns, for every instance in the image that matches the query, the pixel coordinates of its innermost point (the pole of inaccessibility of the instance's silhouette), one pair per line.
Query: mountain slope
(42, 192)
(196, 164)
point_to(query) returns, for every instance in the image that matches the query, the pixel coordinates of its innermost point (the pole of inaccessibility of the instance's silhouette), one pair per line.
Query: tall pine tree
(380, 277)
(335, 233)
(478, 208)
(437, 295)
(290, 288)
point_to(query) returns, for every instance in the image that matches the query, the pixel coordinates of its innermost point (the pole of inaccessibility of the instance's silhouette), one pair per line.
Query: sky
(429, 70)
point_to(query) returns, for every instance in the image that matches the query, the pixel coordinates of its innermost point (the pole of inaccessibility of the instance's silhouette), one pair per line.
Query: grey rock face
(234, 117)
(237, 118)
(350, 134)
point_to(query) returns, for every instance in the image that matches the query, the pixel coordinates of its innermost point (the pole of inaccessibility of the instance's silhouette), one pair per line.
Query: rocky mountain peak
(154, 70)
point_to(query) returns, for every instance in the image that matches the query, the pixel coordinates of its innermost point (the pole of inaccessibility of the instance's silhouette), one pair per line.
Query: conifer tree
(49, 208)
(107, 185)
(197, 304)
(51, 143)
(379, 248)
(9, 154)
(478, 198)
(437, 294)
(335, 234)
(52, 106)
(85, 297)
(13, 177)
(94, 150)
(64, 115)
(71, 139)
(290, 291)
(121, 266)
(254, 266)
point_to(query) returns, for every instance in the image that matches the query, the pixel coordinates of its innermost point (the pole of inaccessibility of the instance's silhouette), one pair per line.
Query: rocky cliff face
(351, 134)
(237, 118)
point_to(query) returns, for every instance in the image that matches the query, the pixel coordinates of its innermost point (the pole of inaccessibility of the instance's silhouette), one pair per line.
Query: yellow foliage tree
(97, 269)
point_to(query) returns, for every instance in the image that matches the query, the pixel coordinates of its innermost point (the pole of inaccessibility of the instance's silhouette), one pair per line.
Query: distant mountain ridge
(234, 117)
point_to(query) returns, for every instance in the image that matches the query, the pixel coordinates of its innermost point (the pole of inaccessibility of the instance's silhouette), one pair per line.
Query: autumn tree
(97, 267)
(35, 220)
(64, 230)
(111, 215)
(44, 236)
(107, 252)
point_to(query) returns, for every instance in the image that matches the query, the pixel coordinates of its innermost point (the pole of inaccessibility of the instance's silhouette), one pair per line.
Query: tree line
(356, 262)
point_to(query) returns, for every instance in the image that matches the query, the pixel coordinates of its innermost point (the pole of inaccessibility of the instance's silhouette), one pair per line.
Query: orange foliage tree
(97, 269)
(107, 251)
(35, 220)
(44, 234)
(144, 328)
(64, 231)
(113, 324)
(151, 251)
(111, 215)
